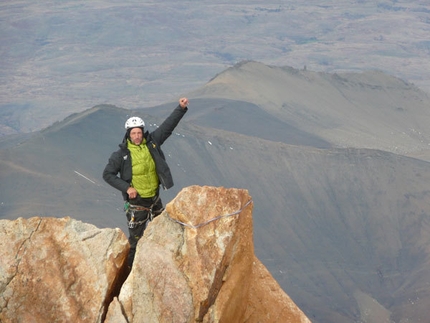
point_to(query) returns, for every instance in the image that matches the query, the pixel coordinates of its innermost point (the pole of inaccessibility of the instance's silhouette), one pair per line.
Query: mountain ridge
(339, 110)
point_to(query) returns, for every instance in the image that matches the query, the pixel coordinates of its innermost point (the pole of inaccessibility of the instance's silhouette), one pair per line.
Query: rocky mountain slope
(343, 228)
(361, 110)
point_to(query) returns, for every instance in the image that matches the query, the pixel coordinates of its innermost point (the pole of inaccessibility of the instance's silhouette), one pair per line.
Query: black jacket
(120, 160)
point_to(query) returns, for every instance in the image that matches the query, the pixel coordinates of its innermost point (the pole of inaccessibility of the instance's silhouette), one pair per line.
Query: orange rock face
(196, 263)
(57, 270)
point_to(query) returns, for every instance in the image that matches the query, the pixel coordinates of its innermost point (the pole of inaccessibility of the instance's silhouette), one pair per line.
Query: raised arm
(166, 128)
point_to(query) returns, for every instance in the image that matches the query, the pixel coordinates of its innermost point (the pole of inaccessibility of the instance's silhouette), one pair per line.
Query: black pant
(141, 219)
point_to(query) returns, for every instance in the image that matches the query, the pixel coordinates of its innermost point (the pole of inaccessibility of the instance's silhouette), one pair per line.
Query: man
(142, 167)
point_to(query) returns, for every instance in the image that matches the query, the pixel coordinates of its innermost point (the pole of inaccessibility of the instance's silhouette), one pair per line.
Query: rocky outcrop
(58, 270)
(195, 263)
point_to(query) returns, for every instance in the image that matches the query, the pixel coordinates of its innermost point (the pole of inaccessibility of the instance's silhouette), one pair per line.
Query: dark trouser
(141, 218)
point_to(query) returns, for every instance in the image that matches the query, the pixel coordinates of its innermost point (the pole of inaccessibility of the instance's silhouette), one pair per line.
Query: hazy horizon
(66, 57)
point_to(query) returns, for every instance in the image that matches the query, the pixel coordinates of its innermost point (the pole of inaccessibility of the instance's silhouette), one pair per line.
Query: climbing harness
(211, 220)
(131, 208)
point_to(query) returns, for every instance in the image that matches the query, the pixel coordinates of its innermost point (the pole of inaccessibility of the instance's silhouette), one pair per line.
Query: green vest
(144, 176)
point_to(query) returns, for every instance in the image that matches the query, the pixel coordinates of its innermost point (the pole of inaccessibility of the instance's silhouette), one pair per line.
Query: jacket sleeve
(110, 173)
(166, 128)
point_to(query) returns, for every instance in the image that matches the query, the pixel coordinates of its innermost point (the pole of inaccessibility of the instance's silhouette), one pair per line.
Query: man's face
(136, 136)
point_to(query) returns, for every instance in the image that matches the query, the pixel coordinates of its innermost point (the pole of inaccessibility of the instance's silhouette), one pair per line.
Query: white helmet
(134, 122)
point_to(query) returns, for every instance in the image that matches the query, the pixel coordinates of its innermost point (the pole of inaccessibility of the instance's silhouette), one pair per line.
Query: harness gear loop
(131, 208)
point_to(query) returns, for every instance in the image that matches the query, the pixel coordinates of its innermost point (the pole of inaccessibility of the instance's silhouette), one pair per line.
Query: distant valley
(66, 57)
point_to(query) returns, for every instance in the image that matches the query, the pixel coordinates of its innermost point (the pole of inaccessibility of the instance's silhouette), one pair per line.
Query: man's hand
(132, 193)
(183, 102)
